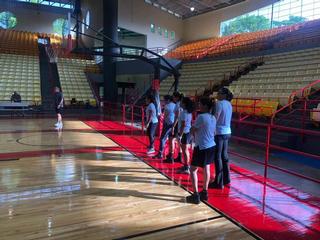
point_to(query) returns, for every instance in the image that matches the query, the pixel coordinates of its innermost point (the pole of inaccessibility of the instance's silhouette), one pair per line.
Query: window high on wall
(7, 20)
(65, 4)
(282, 13)
(60, 27)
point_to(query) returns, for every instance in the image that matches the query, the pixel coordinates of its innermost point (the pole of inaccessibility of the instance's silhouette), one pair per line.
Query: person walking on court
(185, 137)
(58, 100)
(174, 132)
(203, 152)
(152, 122)
(167, 123)
(223, 115)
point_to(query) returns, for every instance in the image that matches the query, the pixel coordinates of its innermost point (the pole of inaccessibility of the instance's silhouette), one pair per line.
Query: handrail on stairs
(303, 92)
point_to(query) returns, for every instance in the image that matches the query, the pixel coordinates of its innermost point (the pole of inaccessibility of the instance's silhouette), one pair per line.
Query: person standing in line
(167, 123)
(223, 133)
(203, 152)
(152, 122)
(174, 132)
(58, 100)
(184, 126)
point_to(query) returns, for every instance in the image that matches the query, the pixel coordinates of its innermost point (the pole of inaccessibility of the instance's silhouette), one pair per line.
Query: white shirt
(223, 116)
(151, 113)
(169, 113)
(204, 135)
(178, 109)
(186, 118)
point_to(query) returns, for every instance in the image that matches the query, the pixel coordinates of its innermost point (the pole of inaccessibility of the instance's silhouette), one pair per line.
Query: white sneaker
(59, 126)
(151, 151)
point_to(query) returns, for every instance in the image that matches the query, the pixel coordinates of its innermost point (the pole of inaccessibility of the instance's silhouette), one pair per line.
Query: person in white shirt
(174, 133)
(152, 122)
(167, 123)
(223, 115)
(184, 126)
(203, 153)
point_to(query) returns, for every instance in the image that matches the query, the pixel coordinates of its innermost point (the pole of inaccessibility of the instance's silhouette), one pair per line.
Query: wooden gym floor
(78, 184)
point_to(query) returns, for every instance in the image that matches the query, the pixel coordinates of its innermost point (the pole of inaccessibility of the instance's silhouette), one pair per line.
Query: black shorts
(59, 110)
(186, 138)
(201, 158)
(176, 132)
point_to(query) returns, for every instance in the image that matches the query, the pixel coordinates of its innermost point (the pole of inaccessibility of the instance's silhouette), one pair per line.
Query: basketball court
(80, 184)
(74, 79)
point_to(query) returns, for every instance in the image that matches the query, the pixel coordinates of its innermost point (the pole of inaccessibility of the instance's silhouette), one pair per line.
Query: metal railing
(135, 116)
(303, 93)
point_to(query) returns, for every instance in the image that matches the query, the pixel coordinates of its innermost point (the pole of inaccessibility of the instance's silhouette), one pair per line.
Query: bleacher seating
(305, 33)
(315, 114)
(235, 44)
(19, 61)
(18, 42)
(196, 76)
(20, 73)
(281, 75)
(73, 80)
(256, 107)
(287, 36)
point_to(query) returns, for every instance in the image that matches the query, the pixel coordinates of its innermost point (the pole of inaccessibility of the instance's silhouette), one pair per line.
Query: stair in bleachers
(197, 76)
(282, 74)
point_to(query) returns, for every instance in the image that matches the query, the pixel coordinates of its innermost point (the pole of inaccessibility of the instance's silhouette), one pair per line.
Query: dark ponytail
(178, 95)
(225, 91)
(188, 103)
(209, 103)
(151, 98)
(229, 96)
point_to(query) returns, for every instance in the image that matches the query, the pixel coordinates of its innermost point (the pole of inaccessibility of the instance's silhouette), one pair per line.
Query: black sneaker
(184, 170)
(169, 160)
(204, 195)
(158, 156)
(193, 198)
(215, 185)
(178, 159)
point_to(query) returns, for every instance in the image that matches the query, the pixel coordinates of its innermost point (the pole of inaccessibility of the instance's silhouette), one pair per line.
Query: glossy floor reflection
(93, 189)
(270, 209)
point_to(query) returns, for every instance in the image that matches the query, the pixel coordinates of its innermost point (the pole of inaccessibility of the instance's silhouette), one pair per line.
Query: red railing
(302, 91)
(269, 146)
(135, 114)
(297, 94)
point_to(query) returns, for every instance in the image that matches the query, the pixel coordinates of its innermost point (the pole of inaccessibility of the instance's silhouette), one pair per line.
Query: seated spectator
(73, 101)
(15, 97)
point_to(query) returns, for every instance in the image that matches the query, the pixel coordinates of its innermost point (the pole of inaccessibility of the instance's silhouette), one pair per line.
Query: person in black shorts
(203, 153)
(168, 121)
(174, 132)
(184, 125)
(58, 100)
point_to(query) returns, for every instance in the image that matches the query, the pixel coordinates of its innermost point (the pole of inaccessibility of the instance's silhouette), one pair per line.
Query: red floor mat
(269, 209)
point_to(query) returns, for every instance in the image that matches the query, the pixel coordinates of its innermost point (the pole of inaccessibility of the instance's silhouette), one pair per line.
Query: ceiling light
(192, 9)
(119, 30)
